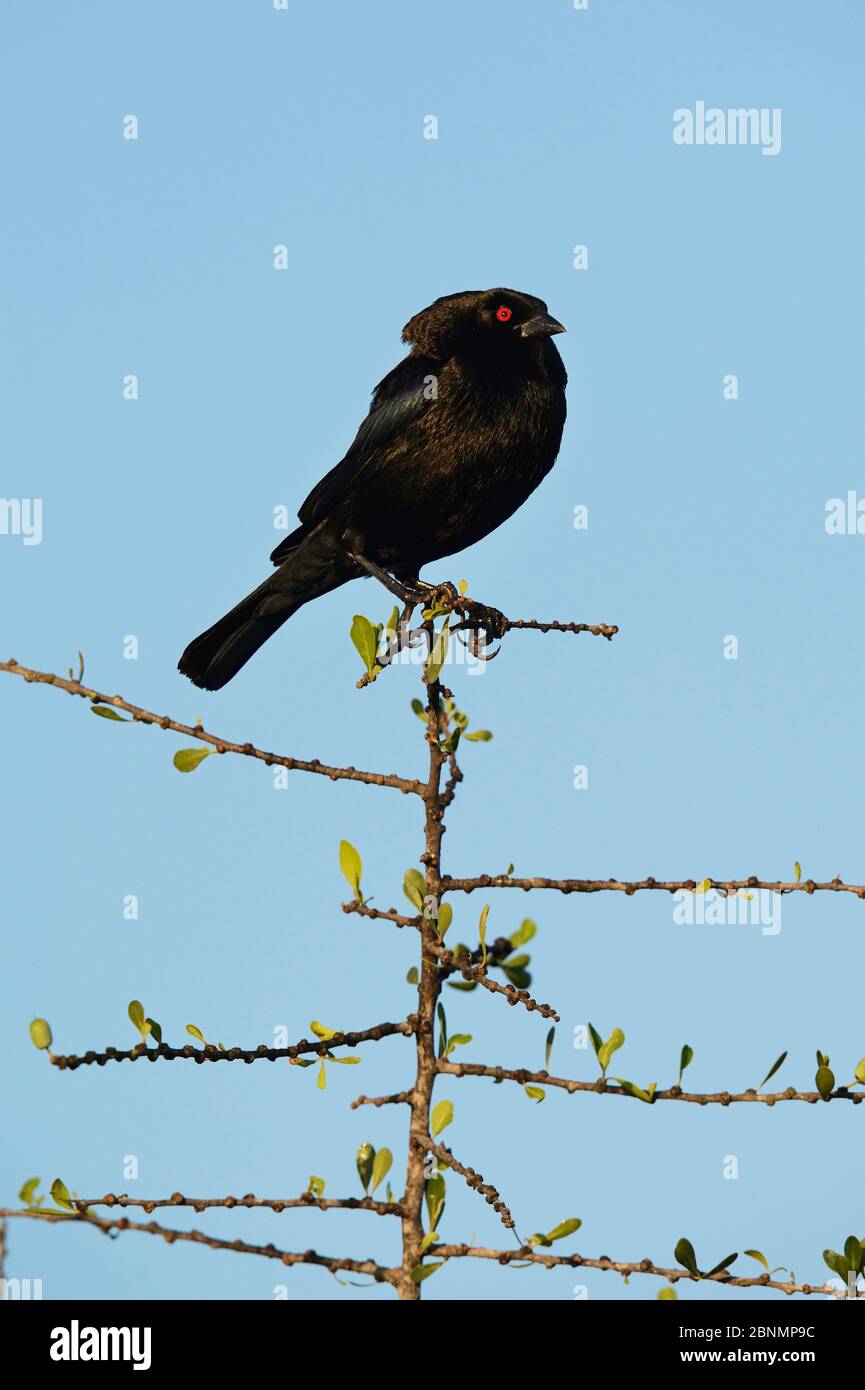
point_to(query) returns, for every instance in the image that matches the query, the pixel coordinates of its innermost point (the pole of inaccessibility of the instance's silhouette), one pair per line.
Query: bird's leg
(400, 591)
(476, 616)
(413, 591)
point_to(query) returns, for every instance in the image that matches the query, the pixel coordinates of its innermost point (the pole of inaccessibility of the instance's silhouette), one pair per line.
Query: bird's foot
(443, 597)
(484, 625)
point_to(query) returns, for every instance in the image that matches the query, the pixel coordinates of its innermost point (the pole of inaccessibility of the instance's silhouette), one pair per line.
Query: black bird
(457, 437)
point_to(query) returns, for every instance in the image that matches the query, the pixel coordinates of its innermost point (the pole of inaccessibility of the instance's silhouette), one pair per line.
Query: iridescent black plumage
(458, 435)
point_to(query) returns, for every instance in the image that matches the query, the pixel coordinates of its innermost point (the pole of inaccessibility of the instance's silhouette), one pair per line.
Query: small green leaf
(344, 1061)
(450, 745)
(60, 1195)
(188, 759)
(391, 625)
(196, 1033)
(27, 1195)
(597, 1041)
(106, 712)
(418, 709)
(722, 1264)
(636, 1091)
(321, 1080)
(613, 1043)
(364, 1159)
(549, 1048)
(382, 1165)
(564, 1228)
(442, 1116)
(535, 1093)
(315, 1185)
(443, 1033)
(685, 1060)
(760, 1257)
(40, 1034)
(458, 1040)
(684, 1253)
(668, 1294)
(365, 639)
(837, 1264)
(771, 1072)
(439, 652)
(853, 1252)
(482, 932)
(321, 1031)
(352, 866)
(412, 976)
(156, 1030)
(137, 1017)
(525, 932)
(421, 1272)
(414, 887)
(860, 1072)
(444, 919)
(434, 1196)
(825, 1080)
(797, 870)
(479, 736)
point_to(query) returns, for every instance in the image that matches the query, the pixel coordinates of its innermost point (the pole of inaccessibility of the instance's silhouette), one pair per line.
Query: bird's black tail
(211, 660)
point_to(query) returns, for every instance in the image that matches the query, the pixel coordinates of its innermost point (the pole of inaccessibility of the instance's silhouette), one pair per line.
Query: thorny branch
(477, 975)
(527, 1255)
(209, 1053)
(222, 745)
(615, 885)
(277, 1204)
(112, 1225)
(490, 1194)
(608, 1088)
(381, 1274)
(436, 964)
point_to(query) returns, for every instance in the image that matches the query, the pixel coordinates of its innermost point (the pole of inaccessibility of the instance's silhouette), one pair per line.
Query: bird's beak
(541, 326)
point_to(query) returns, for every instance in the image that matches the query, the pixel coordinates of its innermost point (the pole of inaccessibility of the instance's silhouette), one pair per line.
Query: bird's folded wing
(398, 400)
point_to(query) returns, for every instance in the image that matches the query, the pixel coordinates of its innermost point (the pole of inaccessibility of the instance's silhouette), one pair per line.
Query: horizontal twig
(109, 1225)
(608, 1088)
(235, 1054)
(221, 745)
(381, 914)
(607, 630)
(382, 1274)
(615, 885)
(398, 1098)
(528, 1255)
(276, 1204)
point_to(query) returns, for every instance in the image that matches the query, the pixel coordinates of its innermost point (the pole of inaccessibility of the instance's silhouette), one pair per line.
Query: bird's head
(500, 324)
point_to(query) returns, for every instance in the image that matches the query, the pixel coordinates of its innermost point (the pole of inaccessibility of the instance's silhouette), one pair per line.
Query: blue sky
(706, 519)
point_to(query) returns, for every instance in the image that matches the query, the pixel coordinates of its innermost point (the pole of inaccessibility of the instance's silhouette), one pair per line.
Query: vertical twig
(428, 992)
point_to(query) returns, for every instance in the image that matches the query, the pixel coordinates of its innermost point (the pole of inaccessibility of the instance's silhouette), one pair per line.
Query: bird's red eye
(503, 313)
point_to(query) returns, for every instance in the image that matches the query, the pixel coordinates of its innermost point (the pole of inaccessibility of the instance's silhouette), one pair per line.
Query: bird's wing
(397, 401)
